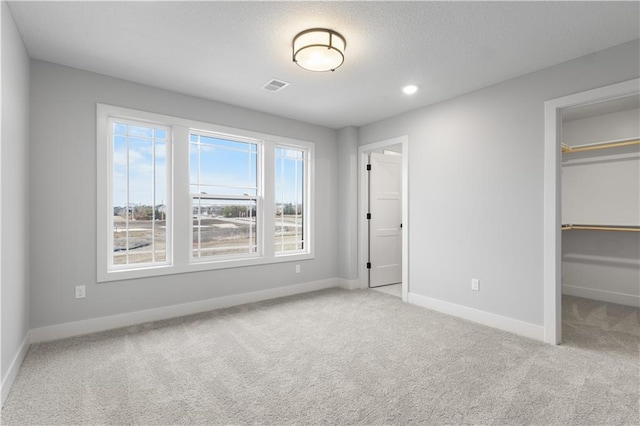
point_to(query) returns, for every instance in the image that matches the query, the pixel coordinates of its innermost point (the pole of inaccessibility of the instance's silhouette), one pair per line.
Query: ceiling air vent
(275, 85)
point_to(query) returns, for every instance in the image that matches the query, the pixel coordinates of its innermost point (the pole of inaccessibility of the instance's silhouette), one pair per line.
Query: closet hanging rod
(591, 147)
(601, 228)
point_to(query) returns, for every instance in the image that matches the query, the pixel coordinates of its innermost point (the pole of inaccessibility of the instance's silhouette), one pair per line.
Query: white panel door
(385, 232)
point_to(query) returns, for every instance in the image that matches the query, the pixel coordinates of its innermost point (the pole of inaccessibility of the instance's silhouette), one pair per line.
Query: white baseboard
(603, 295)
(70, 329)
(511, 325)
(348, 284)
(10, 376)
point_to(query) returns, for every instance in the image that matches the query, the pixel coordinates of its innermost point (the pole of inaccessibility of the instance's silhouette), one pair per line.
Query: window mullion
(268, 189)
(105, 180)
(128, 203)
(199, 188)
(295, 198)
(153, 197)
(182, 210)
(280, 165)
(308, 200)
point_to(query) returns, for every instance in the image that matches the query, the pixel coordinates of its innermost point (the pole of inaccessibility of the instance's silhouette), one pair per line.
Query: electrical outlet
(475, 284)
(81, 292)
(297, 269)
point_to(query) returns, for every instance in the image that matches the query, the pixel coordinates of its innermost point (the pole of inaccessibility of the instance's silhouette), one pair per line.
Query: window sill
(200, 266)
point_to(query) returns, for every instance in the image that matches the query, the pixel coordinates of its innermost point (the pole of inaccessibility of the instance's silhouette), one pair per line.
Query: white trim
(603, 295)
(552, 196)
(363, 150)
(511, 325)
(348, 284)
(70, 329)
(363, 274)
(16, 363)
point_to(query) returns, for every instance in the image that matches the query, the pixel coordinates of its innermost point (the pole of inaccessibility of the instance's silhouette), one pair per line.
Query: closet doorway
(592, 211)
(383, 218)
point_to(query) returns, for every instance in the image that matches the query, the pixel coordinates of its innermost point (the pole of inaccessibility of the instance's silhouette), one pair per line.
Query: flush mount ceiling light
(319, 49)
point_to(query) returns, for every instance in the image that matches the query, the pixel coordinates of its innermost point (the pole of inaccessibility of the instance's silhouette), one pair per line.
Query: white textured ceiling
(226, 51)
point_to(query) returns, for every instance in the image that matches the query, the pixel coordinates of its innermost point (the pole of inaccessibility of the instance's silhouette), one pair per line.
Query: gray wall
(63, 199)
(602, 128)
(602, 265)
(348, 203)
(14, 247)
(476, 184)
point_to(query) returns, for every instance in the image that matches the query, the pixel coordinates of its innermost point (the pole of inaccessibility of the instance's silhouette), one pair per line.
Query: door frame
(552, 196)
(363, 190)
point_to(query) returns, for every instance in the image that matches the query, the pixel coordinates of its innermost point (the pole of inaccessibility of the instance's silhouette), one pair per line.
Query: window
(289, 187)
(183, 196)
(139, 191)
(224, 193)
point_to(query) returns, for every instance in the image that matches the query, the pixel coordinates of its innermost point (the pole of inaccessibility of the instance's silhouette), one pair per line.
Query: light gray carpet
(335, 357)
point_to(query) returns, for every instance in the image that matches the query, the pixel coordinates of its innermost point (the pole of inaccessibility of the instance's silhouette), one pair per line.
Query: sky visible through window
(222, 167)
(289, 176)
(144, 158)
(139, 154)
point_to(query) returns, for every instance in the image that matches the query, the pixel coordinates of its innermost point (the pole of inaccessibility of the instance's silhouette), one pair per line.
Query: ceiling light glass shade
(410, 90)
(319, 49)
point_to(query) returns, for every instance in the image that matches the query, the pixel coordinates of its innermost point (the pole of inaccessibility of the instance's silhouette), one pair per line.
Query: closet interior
(601, 201)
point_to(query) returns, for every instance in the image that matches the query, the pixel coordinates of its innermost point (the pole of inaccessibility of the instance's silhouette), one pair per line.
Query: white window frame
(179, 203)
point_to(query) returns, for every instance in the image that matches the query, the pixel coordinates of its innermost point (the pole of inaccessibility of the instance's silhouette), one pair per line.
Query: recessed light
(410, 90)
